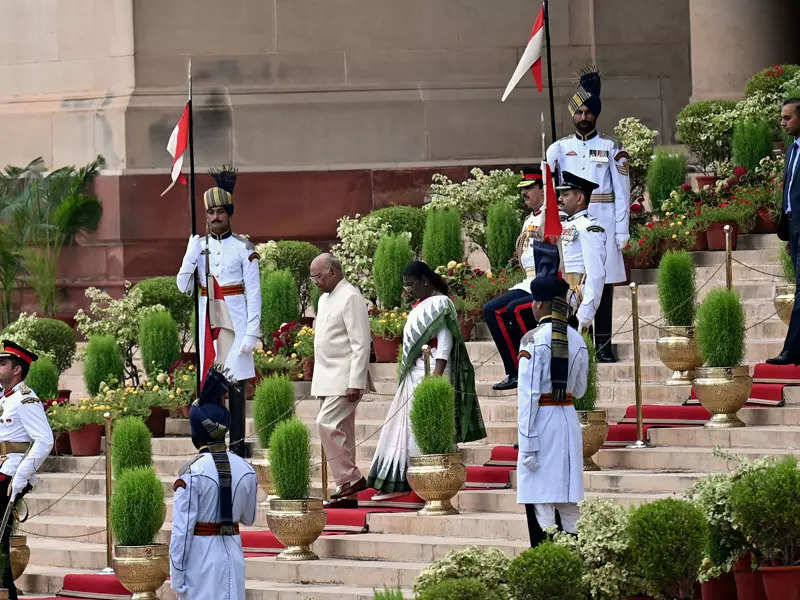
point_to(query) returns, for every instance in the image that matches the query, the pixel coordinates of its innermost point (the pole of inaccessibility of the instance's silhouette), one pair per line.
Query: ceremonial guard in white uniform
(228, 275)
(25, 439)
(583, 241)
(553, 370)
(213, 494)
(600, 159)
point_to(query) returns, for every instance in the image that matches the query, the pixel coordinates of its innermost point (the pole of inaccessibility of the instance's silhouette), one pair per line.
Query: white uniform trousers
(546, 515)
(336, 422)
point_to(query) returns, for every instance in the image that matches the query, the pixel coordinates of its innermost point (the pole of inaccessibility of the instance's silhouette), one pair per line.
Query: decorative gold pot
(297, 524)
(723, 391)
(436, 478)
(677, 349)
(594, 429)
(784, 301)
(142, 569)
(260, 462)
(20, 554)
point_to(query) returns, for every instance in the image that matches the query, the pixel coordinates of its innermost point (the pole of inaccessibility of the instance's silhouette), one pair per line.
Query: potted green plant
(163, 293)
(785, 292)
(704, 127)
(85, 423)
(304, 348)
(131, 441)
(502, 229)
(158, 342)
(59, 419)
(279, 302)
(269, 364)
(442, 241)
(391, 257)
(294, 518)
(666, 173)
(137, 513)
(545, 572)
(594, 425)
(723, 385)
(438, 472)
(487, 565)
(667, 540)
(103, 362)
(458, 589)
(273, 402)
(676, 343)
(387, 333)
(43, 378)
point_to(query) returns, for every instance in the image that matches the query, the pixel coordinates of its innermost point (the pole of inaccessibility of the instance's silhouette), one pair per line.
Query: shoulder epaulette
(188, 464)
(30, 400)
(25, 389)
(243, 237)
(595, 229)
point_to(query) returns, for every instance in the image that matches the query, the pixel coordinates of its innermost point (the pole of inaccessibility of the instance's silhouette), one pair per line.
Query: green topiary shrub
(676, 289)
(296, 257)
(137, 507)
(273, 402)
(546, 572)
(720, 329)
(442, 240)
(700, 127)
(589, 400)
(764, 505)
(771, 79)
(43, 378)
(55, 338)
(315, 294)
(279, 303)
(752, 141)
(387, 594)
(290, 459)
(487, 565)
(667, 172)
(392, 256)
(433, 419)
(457, 589)
(402, 219)
(131, 441)
(787, 266)
(502, 229)
(103, 362)
(158, 341)
(163, 291)
(667, 539)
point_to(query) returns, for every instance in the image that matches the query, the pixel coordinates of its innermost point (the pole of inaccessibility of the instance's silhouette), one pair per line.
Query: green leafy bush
(391, 258)
(457, 589)
(667, 539)
(273, 402)
(589, 400)
(55, 338)
(103, 362)
(279, 303)
(546, 572)
(487, 565)
(787, 266)
(43, 378)
(442, 240)
(158, 342)
(676, 288)
(402, 219)
(720, 329)
(667, 172)
(771, 79)
(764, 505)
(131, 443)
(290, 459)
(432, 415)
(163, 291)
(639, 142)
(296, 257)
(137, 507)
(387, 594)
(502, 228)
(752, 141)
(705, 127)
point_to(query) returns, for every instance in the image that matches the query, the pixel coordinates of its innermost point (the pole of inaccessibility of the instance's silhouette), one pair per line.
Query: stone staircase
(68, 536)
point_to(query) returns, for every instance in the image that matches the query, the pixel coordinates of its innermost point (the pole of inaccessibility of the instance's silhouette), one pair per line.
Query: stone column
(732, 39)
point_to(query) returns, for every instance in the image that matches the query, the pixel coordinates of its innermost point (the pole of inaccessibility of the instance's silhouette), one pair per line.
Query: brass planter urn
(260, 462)
(784, 301)
(594, 428)
(142, 569)
(436, 478)
(297, 524)
(677, 349)
(20, 555)
(723, 391)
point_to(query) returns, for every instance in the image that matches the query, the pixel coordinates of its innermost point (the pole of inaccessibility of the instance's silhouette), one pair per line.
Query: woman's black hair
(421, 271)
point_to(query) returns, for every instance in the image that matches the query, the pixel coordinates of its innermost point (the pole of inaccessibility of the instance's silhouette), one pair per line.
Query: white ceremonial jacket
(583, 242)
(233, 261)
(552, 432)
(601, 160)
(209, 567)
(341, 342)
(533, 228)
(22, 419)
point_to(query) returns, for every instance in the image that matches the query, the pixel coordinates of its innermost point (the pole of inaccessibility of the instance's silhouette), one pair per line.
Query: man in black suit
(789, 228)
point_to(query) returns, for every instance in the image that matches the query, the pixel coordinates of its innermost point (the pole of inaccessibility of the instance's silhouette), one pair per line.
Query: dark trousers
(236, 401)
(792, 343)
(535, 531)
(602, 318)
(508, 317)
(8, 579)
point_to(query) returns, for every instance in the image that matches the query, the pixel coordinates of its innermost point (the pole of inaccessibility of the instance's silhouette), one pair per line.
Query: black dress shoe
(350, 488)
(605, 354)
(784, 358)
(341, 503)
(509, 383)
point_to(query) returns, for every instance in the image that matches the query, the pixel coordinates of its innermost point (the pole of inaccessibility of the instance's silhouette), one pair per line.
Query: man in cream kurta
(341, 373)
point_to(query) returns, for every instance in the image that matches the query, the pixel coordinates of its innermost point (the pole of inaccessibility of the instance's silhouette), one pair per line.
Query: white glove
(583, 325)
(194, 248)
(622, 240)
(17, 485)
(530, 462)
(248, 344)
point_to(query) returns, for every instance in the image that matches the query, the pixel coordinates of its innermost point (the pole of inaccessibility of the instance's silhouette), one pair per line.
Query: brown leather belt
(14, 447)
(547, 400)
(602, 198)
(227, 290)
(206, 529)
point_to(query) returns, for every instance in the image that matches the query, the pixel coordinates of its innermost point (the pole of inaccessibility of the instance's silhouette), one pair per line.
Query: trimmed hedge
(158, 342)
(290, 459)
(279, 303)
(442, 240)
(402, 219)
(433, 420)
(502, 230)
(163, 291)
(391, 258)
(720, 329)
(103, 362)
(43, 378)
(131, 441)
(137, 507)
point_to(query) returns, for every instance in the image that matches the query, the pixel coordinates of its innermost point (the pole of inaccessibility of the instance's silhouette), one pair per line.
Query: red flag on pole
(552, 221)
(531, 58)
(178, 142)
(211, 334)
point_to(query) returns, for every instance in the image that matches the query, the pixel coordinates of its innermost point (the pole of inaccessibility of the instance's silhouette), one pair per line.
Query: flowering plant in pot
(304, 348)
(268, 363)
(387, 333)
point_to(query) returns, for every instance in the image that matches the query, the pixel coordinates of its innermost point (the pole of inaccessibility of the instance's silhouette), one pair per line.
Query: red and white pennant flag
(531, 58)
(176, 146)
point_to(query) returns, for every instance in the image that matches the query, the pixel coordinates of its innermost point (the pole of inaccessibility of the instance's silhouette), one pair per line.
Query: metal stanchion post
(324, 466)
(637, 369)
(728, 258)
(109, 540)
